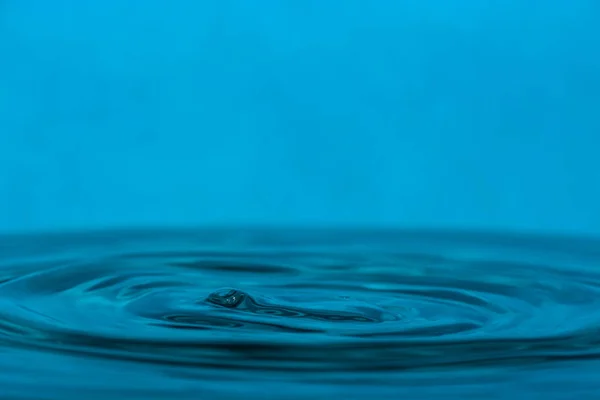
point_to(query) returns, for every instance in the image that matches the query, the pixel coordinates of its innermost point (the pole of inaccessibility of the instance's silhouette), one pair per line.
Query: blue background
(441, 114)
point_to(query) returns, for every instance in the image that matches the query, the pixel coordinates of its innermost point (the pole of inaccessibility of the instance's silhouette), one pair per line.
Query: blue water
(275, 314)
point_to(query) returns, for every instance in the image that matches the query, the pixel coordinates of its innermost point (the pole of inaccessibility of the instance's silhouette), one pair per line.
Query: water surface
(273, 314)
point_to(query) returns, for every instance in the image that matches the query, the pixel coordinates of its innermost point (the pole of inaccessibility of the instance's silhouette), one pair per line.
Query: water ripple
(304, 310)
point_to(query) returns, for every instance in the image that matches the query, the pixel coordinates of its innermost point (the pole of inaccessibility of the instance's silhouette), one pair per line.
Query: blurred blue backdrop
(441, 114)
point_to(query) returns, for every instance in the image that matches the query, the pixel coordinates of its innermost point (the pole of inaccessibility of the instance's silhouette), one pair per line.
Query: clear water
(228, 314)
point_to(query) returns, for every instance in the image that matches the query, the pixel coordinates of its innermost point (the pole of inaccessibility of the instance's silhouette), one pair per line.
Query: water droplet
(229, 298)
